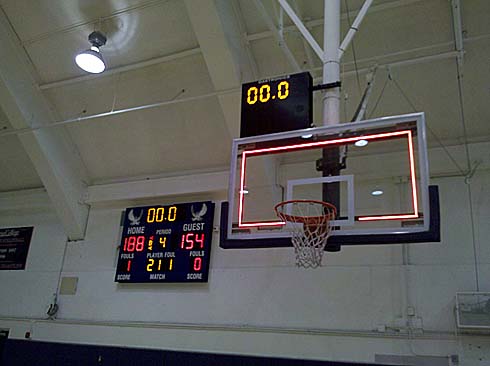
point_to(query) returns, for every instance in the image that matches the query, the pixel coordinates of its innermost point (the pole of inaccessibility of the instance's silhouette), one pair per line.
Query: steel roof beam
(278, 36)
(354, 27)
(319, 22)
(54, 157)
(121, 69)
(458, 30)
(224, 51)
(304, 31)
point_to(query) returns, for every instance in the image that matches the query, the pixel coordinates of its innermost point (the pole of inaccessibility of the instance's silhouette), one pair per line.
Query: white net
(309, 223)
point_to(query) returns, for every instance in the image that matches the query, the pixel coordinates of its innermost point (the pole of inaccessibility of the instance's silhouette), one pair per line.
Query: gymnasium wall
(257, 302)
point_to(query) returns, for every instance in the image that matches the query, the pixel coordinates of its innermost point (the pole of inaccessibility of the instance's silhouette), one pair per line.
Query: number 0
(265, 93)
(197, 263)
(172, 213)
(252, 95)
(151, 215)
(283, 90)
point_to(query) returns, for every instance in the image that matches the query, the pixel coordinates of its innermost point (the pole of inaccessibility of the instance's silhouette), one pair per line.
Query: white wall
(257, 301)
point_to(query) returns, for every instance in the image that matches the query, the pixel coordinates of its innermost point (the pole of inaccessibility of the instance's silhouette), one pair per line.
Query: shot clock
(166, 243)
(276, 105)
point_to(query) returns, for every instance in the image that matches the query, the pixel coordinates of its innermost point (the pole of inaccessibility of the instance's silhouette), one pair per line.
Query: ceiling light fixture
(91, 60)
(377, 192)
(361, 143)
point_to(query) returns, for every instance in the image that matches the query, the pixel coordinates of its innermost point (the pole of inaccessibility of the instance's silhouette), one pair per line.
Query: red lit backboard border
(419, 191)
(320, 144)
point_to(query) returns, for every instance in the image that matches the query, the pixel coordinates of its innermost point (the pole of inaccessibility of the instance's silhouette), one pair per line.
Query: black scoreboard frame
(161, 243)
(277, 104)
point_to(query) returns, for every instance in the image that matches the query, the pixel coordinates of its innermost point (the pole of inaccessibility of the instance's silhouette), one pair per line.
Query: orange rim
(308, 220)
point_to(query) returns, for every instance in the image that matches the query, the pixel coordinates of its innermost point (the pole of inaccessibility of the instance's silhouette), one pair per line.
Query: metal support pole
(458, 31)
(354, 27)
(331, 61)
(331, 100)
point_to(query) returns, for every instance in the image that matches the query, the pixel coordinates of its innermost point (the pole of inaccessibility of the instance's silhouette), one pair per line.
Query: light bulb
(91, 60)
(361, 143)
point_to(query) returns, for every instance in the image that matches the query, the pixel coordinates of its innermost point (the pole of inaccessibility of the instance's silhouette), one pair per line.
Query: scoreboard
(166, 243)
(279, 104)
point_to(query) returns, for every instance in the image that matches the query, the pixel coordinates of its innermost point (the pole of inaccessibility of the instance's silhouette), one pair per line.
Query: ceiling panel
(476, 88)
(154, 141)
(159, 141)
(252, 18)
(157, 83)
(270, 58)
(134, 36)
(193, 135)
(4, 123)
(35, 19)
(474, 16)
(16, 169)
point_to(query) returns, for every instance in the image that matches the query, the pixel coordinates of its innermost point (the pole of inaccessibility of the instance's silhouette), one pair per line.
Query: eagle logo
(134, 220)
(199, 215)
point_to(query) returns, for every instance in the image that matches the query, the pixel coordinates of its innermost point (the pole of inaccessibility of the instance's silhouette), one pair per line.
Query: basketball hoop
(309, 222)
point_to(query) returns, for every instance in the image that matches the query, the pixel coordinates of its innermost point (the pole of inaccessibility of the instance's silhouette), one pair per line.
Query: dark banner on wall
(14, 245)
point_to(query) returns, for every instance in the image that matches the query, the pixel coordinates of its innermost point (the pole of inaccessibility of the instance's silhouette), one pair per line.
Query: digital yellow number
(283, 94)
(253, 90)
(150, 264)
(170, 264)
(159, 215)
(172, 213)
(163, 241)
(151, 213)
(265, 89)
(159, 264)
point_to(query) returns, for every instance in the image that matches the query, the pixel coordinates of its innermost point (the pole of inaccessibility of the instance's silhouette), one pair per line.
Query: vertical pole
(331, 100)
(331, 61)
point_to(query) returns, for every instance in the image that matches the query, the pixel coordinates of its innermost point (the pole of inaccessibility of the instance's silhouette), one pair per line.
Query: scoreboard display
(166, 243)
(279, 104)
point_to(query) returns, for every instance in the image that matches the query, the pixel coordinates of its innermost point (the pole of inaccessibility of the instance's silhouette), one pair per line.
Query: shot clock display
(166, 243)
(276, 105)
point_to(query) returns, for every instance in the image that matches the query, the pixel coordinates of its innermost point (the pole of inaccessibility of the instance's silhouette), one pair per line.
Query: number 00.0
(157, 215)
(263, 94)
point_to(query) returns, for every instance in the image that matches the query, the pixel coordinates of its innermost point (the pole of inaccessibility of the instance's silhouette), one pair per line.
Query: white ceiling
(195, 135)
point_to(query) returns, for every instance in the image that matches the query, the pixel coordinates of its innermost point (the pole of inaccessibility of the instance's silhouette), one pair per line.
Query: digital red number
(197, 263)
(188, 239)
(187, 242)
(129, 266)
(133, 243)
(200, 240)
(140, 243)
